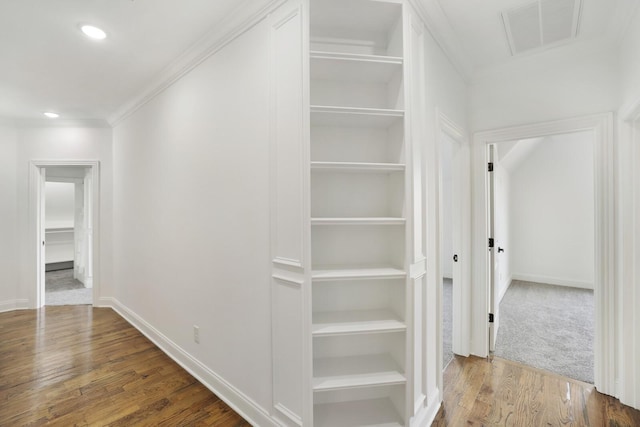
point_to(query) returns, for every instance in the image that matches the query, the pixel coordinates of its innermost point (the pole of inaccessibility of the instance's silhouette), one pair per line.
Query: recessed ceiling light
(52, 115)
(93, 32)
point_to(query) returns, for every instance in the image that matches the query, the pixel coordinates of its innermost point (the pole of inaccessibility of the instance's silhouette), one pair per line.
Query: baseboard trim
(238, 401)
(553, 281)
(428, 413)
(14, 304)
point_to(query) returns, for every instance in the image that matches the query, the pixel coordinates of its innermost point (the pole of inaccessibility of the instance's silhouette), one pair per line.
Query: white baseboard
(14, 304)
(428, 413)
(553, 281)
(238, 401)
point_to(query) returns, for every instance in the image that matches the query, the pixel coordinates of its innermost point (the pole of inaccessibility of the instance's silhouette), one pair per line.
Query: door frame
(36, 258)
(461, 293)
(604, 287)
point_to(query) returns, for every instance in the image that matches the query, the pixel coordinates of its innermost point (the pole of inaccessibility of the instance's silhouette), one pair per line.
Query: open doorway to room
(64, 200)
(542, 256)
(453, 239)
(68, 275)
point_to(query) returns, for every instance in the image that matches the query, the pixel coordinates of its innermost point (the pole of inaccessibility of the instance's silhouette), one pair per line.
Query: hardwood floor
(505, 393)
(79, 365)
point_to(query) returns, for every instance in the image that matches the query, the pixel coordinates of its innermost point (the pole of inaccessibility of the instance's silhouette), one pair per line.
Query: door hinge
(490, 317)
(491, 242)
(490, 167)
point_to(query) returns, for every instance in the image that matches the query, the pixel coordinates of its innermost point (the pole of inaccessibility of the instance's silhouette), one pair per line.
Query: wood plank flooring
(505, 393)
(85, 366)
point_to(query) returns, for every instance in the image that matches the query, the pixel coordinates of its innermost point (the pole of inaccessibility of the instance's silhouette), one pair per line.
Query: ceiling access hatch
(541, 23)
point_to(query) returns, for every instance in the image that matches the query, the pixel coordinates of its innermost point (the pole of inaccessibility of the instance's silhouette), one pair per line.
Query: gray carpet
(62, 289)
(548, 327)
(447, 321)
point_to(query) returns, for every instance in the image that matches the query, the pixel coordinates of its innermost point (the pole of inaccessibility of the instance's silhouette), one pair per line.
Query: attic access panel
(541, 23)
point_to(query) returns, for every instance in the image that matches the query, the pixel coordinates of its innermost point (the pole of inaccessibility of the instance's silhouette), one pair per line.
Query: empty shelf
(351, 116)
(354, 67)
(335, 373)
(326, 273)
(357, 167)
(358, 221)
(355, 322)
(369, 413)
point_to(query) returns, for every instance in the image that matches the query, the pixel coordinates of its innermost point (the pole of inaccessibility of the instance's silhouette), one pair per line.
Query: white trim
(426, 414)
(233, 397)
(246, 15)
(604, 290)
(287, 263)
(289, 414)
(556, 281)
(14, 304)
(36, 299)
(504, 290)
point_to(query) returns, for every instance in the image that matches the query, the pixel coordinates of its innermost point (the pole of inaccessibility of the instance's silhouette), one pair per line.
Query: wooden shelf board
(358, 221)
(326, 273)
(323, 115)
(369, 413)
(357, 167)
(336, 373)
(355, 322)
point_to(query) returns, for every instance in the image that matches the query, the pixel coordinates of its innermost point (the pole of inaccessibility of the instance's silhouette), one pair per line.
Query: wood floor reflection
(79, 365)
(504, 393)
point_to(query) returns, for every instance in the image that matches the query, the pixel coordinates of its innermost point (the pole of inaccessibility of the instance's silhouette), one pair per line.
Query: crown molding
(442, 31)
(240, 20)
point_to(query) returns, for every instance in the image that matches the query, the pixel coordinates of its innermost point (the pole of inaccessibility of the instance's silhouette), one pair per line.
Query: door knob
(455, 258)
(500, 249)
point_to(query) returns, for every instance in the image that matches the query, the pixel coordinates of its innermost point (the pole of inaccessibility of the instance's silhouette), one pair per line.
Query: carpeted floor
(548, 327)
(62, 289)
(447, 321)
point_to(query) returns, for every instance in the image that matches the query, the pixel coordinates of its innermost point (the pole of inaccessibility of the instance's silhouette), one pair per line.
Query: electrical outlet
(196, 334)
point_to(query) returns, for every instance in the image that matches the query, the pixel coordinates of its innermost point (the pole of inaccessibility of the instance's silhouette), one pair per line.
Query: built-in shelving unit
(358, 213)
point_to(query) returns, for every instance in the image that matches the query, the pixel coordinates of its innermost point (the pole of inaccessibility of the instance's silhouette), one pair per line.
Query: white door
(87, 247)
(79, 234)
(456, 236)
(41, 240)
(493, 262)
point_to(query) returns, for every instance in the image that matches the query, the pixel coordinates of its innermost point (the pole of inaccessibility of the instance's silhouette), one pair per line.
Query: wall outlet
(196, 334)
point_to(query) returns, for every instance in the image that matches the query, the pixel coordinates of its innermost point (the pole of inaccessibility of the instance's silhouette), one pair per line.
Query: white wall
(59, 214)
(8, 217)
(191, 215)
(59, 205)
(552, 212)
(544, 87)
(629, 217)
(63, 143)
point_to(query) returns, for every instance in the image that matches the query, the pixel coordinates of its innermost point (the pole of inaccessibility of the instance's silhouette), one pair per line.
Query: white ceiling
(478, 26)
(46, 64)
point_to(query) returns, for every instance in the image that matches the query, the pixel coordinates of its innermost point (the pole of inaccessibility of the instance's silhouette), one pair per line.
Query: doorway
(541, 213)
(68, 274)
(601, 127)
(66, 258)
(454, 243)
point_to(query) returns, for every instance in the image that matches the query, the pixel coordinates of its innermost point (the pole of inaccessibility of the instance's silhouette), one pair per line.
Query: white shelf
(358, 221)
(323, 115)
(354, 67)
(355, 322)
(327, 273)
(357, 167)
(367, 413)
(337, 373)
